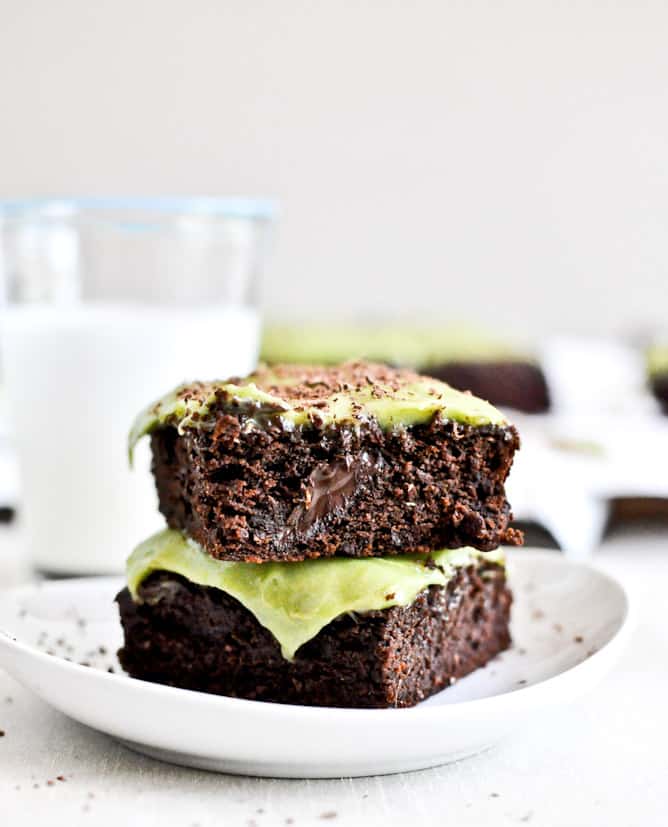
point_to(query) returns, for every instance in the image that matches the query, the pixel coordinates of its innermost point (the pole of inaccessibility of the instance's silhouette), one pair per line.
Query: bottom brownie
(519, 385)
(197, 637)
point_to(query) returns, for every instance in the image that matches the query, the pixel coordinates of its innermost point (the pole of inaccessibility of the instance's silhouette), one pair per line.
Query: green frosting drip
(295, 600)
(418, 347)
(176, 408)
(408, 403)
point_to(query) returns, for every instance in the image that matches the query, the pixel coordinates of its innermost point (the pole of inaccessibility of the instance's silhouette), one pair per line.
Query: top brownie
(359, 460)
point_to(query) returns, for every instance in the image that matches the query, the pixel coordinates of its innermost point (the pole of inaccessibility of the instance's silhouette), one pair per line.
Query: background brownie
(659, 384)
(279, 492)
(657, 372)
(200, 638)
(510, 384)
(461, 355)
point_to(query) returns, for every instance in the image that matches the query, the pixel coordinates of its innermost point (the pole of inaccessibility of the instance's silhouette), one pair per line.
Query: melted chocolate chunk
(330, 488)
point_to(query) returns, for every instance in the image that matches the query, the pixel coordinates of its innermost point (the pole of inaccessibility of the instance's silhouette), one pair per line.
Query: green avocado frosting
(417, 346)
(657, 360)
(295, 600)
(303, 396)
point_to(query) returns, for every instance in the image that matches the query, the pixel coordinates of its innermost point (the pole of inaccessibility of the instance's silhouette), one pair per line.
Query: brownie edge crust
(200, 638)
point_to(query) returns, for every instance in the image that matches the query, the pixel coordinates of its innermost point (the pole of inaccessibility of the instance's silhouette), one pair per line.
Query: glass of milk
(105, 306)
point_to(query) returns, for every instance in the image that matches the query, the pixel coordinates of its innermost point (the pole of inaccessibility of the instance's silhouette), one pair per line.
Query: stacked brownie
(332, 538)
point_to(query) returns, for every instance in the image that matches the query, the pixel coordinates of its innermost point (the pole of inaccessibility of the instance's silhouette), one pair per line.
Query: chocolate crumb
(578, 639)
(522, 682)
(2, 733)
(50, 783)
(537, 614)
(390, 596)
(60, 778)
(558, 628)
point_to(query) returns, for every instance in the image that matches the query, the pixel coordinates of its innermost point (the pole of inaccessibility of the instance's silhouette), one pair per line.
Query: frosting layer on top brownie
(312, 396)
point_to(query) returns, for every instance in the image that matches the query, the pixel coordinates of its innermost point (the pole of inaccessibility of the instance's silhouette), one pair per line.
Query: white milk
(76, 378)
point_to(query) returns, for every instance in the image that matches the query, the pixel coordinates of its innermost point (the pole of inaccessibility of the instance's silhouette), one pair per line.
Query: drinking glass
(107, 304)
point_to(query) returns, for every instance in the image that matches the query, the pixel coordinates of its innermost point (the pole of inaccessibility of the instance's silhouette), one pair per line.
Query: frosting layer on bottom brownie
(294, 601)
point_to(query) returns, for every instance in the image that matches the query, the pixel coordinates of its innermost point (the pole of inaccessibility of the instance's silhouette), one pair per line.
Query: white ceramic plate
(569, 624)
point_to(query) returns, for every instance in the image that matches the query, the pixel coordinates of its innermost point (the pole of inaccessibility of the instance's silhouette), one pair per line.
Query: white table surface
(602, 760)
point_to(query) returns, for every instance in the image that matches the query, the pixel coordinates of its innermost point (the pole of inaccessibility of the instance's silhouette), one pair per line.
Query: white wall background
(507, 161)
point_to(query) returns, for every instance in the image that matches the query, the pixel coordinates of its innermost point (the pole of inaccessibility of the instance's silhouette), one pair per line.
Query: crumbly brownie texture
(659, 384)
(510, 384)
(290, 494)
(200, 638)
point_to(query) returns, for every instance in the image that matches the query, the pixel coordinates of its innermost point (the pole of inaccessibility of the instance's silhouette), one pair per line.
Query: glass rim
(195, 206)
